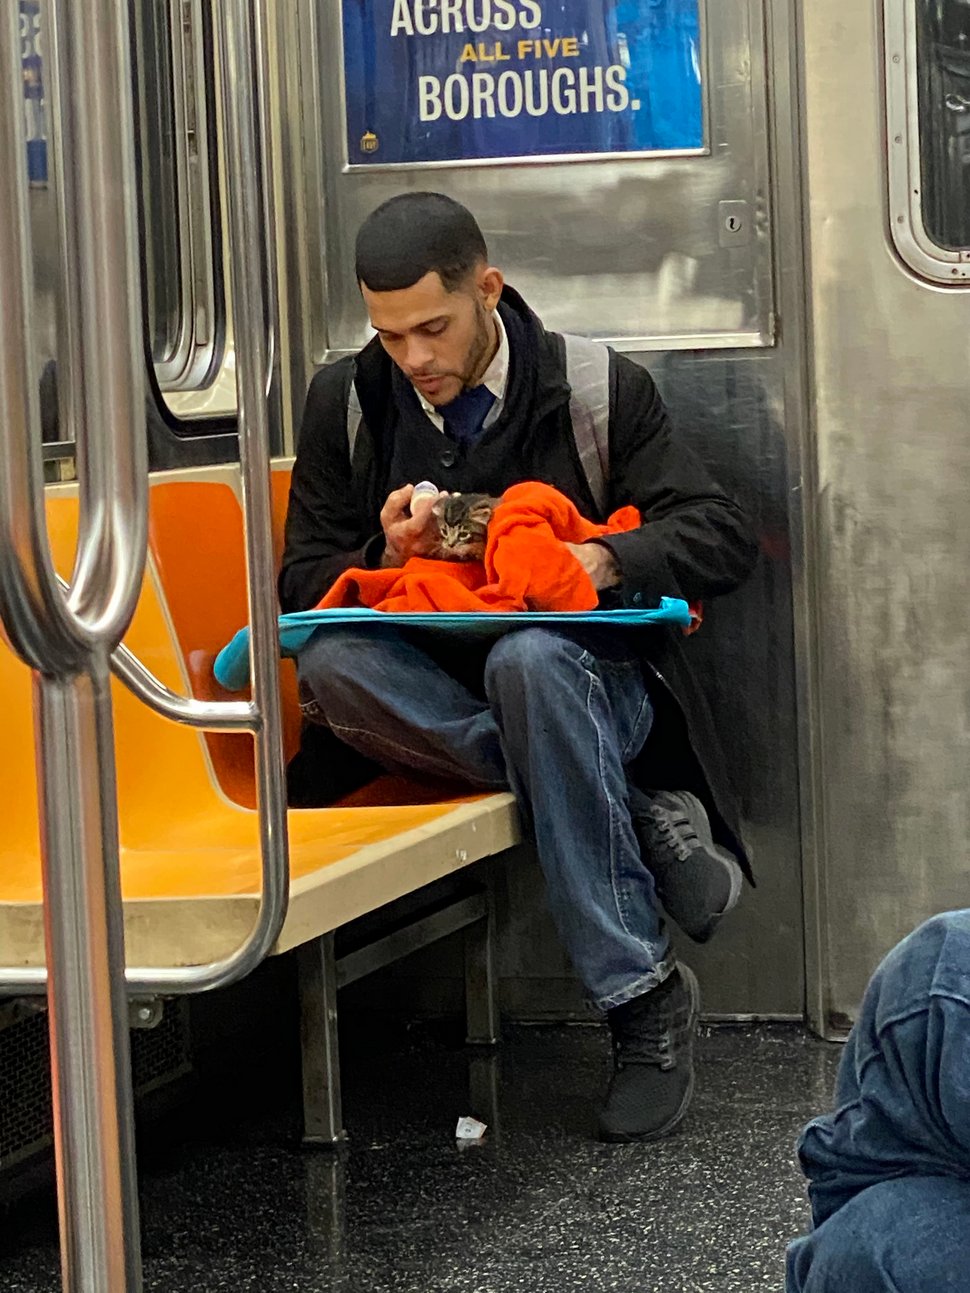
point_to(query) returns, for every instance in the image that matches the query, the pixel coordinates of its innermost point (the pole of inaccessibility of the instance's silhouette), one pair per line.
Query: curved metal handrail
(209, 716)
(206, 715)
(67, 637)
(37, 621)
(53, 634)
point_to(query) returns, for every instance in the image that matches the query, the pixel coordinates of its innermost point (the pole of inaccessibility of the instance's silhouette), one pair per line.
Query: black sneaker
(653, 1067)
(697, 881)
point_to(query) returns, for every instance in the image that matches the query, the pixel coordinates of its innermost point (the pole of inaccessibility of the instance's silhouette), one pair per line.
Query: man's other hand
(598, 562)
(408, 533)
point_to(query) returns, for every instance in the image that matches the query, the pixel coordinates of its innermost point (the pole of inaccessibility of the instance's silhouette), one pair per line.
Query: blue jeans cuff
(646, 983)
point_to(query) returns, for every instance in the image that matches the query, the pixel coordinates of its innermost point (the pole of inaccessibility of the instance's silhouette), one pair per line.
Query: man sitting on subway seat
(464, 387)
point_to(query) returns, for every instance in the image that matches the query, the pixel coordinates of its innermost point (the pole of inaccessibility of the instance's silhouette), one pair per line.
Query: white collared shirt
(495, 378)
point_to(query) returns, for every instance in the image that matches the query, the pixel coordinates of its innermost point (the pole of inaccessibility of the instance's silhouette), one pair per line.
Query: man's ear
(490, 285)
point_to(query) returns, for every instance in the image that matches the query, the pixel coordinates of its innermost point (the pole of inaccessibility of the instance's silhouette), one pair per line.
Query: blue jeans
(889, 1170)
(540, 714)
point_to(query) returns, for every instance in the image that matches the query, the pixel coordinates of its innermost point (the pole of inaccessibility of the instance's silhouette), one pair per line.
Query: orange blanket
(527, 566)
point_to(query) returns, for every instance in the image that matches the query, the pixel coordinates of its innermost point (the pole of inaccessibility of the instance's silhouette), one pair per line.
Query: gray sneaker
(653, 1061)
(697, 881)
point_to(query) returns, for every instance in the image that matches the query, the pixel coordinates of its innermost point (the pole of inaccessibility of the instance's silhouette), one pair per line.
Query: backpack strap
(355, 415)
(588, 374)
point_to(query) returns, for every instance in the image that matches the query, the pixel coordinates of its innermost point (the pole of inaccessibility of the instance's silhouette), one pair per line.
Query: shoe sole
(727, 859)
(658, 1133)
(730, 864)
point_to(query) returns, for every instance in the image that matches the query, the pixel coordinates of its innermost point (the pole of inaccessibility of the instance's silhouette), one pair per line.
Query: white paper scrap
(470, 1129)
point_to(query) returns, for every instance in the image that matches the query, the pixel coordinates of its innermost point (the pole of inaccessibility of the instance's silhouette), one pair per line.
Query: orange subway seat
(180, 835)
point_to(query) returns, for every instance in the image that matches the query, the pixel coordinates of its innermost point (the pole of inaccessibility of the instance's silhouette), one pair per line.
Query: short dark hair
(415, 234)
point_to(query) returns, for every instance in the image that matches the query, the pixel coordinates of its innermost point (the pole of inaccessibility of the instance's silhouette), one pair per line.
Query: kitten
(463, 526)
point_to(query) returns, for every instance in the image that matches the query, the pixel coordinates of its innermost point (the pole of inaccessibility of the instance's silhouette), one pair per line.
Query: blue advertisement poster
(460, 80)
(34, 106)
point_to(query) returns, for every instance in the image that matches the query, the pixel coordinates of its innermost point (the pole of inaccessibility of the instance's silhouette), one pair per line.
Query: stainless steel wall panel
(891, 514)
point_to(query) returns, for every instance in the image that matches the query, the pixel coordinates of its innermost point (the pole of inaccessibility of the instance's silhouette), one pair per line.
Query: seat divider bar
(409, 938)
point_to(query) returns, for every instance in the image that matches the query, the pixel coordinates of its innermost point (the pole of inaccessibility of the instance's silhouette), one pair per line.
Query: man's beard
(476, 361)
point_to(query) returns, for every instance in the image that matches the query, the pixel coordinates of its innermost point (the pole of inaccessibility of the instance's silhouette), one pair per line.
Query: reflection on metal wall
(43, 224)
(180, 212)
(891, 360)
(639, 251)
(35, 104)
(730, 409)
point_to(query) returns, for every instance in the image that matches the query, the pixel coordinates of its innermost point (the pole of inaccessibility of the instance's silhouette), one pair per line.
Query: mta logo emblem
(369, 142)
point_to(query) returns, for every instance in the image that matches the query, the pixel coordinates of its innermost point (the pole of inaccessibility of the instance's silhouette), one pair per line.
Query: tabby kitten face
(463, 526)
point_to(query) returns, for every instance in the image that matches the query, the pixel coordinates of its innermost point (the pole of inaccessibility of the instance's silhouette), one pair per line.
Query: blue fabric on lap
(231, 666)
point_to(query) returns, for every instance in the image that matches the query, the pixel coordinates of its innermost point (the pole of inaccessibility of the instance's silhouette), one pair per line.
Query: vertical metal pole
(244, 199)
(325, 1188)
(484, 1089)
(90, 1060)
(482, 1020)
(66, 642)
(322, 1113)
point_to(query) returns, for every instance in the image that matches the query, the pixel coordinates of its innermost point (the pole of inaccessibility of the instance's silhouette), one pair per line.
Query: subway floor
(231, 1201)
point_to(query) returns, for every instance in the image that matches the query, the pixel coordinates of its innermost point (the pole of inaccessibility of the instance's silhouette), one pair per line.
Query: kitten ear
(482, 511)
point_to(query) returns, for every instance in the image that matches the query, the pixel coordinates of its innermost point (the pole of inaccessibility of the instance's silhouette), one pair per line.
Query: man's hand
(408, 533)
(598, 562)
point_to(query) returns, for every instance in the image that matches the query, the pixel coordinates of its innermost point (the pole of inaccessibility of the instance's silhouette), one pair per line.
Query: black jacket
(696, 542)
